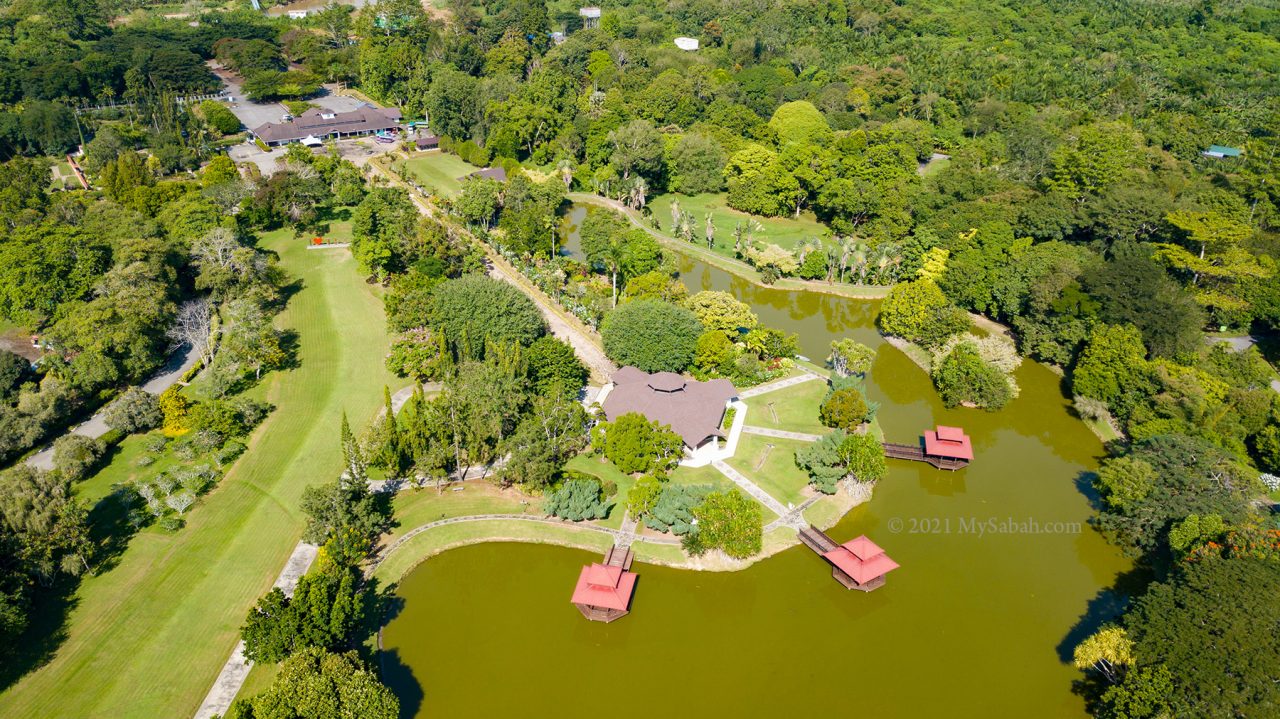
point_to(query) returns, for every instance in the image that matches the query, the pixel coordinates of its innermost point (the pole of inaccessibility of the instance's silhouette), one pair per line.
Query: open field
(439, 171)
(438, 539)
(147, 637)
(770, 463)
(794, 408)
(787, 232)
(723, 258)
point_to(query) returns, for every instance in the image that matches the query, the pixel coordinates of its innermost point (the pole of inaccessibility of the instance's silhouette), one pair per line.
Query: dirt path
(584, 342)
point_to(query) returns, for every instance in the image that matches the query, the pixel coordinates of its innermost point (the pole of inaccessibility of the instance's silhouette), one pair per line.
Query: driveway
(182, 359)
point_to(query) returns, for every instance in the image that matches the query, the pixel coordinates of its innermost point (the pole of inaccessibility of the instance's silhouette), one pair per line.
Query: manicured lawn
(437, 540)
(700, 475)
(793, 408)
(147, 637)
(416, 507)
(778, 474)
(439, 171)
(824, 513)
(785, 232)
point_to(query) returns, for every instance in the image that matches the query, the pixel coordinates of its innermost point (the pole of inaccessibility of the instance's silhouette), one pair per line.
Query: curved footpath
(561, 324)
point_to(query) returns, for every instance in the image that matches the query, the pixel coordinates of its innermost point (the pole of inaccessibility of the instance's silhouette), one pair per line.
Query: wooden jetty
(603, 592)
(856, 564)
(945, 448)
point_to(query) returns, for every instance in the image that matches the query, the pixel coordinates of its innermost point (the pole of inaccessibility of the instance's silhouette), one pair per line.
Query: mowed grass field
(439, 171)
(146, 638)
(794, 408)
(786, 232)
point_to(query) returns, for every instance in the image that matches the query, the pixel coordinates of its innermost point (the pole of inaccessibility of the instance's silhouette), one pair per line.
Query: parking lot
(255, 114)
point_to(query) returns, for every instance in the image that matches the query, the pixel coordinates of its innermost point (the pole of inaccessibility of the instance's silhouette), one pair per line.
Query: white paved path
(751, 488)
(781, 433)
(234, 672)
(779, 384)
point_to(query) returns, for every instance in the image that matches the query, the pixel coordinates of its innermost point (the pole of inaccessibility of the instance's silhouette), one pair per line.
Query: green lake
(1000, 577)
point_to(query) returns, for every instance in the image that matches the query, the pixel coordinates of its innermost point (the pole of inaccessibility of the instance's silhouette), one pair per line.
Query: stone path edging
(751, 488)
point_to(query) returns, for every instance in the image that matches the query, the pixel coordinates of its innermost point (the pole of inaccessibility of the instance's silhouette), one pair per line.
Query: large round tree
(652, 335)
(474, 309)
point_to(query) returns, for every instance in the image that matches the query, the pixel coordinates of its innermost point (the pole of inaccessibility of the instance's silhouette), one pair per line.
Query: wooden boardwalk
(915, 453)
(619, 556)
(820, 543)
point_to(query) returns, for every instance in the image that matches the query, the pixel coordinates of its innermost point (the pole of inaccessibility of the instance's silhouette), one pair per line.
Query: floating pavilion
(857, 564)
(603, 592)
(943, 447)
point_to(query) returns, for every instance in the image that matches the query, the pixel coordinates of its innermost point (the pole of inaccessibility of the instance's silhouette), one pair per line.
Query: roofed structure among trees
(323, 123)
(694, 410)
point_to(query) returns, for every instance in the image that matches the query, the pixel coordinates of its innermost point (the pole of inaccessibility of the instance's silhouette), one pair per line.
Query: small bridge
(916, 453)
(619, 556)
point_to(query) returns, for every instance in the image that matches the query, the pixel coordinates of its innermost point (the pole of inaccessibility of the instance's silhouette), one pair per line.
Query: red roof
(861, 559)
(604, 586)
(947, 442)
(863, 548)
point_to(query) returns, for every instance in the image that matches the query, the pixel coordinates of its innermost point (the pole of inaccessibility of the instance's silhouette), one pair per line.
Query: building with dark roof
(323, 124)
(694, 410)
(492, 173)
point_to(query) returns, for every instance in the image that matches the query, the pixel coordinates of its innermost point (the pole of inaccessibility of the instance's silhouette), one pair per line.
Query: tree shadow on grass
(46, 631)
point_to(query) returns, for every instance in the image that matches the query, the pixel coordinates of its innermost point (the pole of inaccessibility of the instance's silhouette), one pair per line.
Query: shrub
(135, 410)
(673, 511)
(578, 499)
(651, 335)
(844, 409)
(965, 378)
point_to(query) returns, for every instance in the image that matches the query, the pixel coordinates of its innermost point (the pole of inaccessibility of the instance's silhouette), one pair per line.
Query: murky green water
(974, 624)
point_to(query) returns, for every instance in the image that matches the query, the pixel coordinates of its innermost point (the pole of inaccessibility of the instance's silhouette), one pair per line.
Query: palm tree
(565, 168)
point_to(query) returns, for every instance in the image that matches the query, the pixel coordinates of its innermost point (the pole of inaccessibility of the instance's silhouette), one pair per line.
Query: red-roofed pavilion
(860, 564)
(943, 447)
(603, 592)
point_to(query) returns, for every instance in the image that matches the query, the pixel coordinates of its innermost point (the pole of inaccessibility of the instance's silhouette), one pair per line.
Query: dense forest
(1074, 206)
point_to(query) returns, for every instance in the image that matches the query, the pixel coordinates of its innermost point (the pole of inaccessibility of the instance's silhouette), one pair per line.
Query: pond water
(1000, 577)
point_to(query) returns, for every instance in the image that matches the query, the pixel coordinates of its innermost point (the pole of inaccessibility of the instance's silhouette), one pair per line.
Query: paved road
(777, 385)
(234, 672)
(781, 433)
(177, 365)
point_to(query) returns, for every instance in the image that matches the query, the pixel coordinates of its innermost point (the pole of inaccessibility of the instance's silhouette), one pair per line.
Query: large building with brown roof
(694, 410)
(323, 124)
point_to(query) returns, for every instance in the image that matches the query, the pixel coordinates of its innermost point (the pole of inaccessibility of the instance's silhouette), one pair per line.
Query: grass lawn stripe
(147, 637)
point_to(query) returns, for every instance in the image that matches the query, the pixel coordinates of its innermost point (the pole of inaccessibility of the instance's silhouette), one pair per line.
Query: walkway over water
(915, 453)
